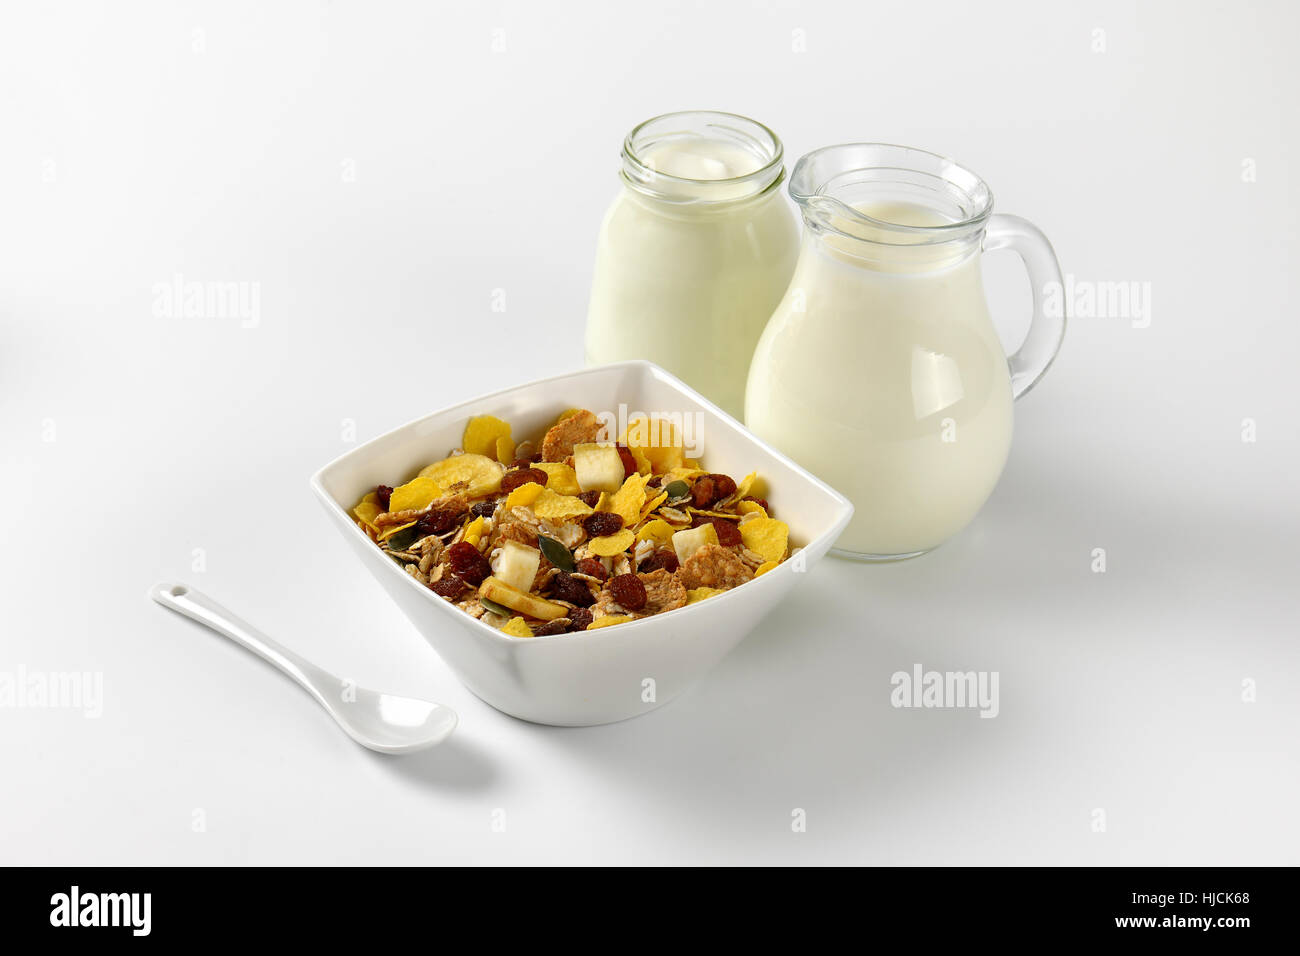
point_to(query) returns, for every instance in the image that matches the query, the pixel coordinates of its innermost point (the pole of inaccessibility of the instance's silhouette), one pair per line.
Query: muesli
(574, 532)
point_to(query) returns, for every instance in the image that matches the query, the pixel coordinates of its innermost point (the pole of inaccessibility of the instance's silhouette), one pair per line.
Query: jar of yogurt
(880, 370)
(695, 252)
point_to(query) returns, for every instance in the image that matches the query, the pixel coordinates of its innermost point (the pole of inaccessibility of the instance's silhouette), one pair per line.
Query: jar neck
(702, 160)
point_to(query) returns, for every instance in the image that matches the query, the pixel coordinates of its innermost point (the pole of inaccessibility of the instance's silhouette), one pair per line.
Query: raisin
(385, 495)
(702, 492)
(589, 498)
(723, 486)
(441, 520)
(560, 625)
(484, 509)
(593, 567)
(629, 463)
(761, 502)
(728, 532)
(628, 591)
(565, 587)
(522, 476)
(521, 463)
(448, 586)
(602, 523)
(580, 618)
(655, 482)
(665, 558)
(470, 566)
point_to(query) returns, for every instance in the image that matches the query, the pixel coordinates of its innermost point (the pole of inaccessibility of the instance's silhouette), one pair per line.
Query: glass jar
(695, 251)
(880, 370)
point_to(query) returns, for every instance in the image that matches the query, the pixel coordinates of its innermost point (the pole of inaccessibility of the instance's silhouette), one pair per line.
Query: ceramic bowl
(608, 674)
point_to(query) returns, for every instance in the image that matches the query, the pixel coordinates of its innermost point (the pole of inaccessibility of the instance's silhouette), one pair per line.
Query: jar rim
(715, 125)
(929, 179)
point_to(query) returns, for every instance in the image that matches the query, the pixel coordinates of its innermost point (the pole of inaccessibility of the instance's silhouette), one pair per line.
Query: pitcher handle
(1047, 328)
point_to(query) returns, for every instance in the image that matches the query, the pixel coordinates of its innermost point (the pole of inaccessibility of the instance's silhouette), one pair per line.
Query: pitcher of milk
(880, 369)
(695, 251)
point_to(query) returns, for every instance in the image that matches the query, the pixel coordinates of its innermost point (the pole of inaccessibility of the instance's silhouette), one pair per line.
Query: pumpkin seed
(495, 608)
(556, 553)
(403, 539)
(678, 491)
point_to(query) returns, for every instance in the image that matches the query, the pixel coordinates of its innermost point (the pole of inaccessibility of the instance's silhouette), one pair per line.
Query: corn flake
(745, 507)
(505, 449)
(696, 595)
(560, 478)
(606, 546)
(765, 567)
(609, 620)
(556, 507)
(659, 531)
(474, 531)
(517, 627)
(628, 501)
(415, 494)
(389, 532)
(659, 442)
(367, 510)
(483, 434)
(524, 495)
(766, 537)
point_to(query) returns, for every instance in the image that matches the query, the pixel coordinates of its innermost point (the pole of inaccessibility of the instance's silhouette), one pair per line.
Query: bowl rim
(337, 511)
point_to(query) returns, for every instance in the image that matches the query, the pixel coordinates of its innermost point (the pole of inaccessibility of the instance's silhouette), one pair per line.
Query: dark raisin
(655, 482)
(589, 498)
(560, 625)
(629, 463)
(522, 476)
(628, 591)
(723, 486)
(728, 532)
(385, 495)
(665, 558)
(565, 587)
(441, 520)
(761, 502)
(602, 523)
(448, 586)
(580, 618)
(702, 492)
(521, 463)
(484, 509)
(593, 567)
(470, 566)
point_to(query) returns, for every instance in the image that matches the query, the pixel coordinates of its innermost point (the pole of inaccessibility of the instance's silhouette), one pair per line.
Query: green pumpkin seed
(678, 491)
(496, 608)
(403, 539)
(556, 553)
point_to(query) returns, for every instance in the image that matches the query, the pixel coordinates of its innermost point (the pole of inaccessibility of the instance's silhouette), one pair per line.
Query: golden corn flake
(560, 478)
(642, 460)
(659, 531)
(416, 493)
(474, 531)
(682, 472)
(609, 620)
(389, 532)
(483, 434)
(745, 507)
(660, 441)
(517, 627)
(368, 509)
(606, 546)
(653, 503)
(469, 474)
(693, 464)
(766, 537)
(505, 449)
(524, 495)
(555, 507)
(765, 567)
(696, 595)
(628, 501)
(751, 484)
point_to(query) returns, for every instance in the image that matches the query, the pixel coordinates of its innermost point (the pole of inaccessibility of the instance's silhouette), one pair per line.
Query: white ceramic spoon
(382, 722)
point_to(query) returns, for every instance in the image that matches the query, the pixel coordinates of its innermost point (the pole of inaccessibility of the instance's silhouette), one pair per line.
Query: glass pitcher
(880, 369)
(695, 251)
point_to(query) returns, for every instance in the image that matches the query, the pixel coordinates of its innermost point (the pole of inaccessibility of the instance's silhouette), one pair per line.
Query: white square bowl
(588, 677)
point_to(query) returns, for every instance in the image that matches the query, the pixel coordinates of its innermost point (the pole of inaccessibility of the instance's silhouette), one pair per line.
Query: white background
(378, 170)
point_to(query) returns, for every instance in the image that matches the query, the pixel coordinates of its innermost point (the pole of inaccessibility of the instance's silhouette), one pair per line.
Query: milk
(881, 372)
(689, 283)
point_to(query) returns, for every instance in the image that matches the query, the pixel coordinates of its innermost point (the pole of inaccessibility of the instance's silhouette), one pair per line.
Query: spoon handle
(197, 606)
